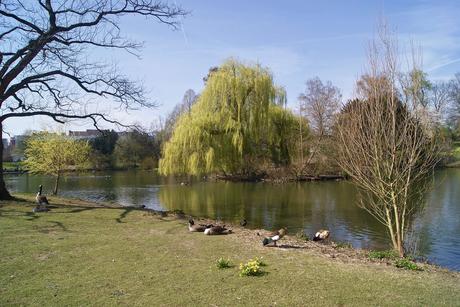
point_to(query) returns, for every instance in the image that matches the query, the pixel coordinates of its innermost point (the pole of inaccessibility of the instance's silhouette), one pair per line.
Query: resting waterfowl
(195, 228)
(275, 236)
(243, 222)
(217, 230)
(321, 235)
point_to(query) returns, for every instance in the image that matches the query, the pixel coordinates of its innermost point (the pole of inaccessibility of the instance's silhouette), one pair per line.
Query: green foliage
(302, 236)
(133, 147)
(148, 163)
(456, 153)
(252, 268)
(343, 245)
(407, 264)
(388, 254)
(222, 263)
(105, 143)
(51, 153)
(237, 124)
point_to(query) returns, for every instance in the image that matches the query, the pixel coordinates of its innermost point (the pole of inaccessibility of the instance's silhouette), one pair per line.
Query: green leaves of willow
(235, 122)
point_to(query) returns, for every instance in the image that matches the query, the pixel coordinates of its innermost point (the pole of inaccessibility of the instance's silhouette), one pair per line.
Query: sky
(297, 40)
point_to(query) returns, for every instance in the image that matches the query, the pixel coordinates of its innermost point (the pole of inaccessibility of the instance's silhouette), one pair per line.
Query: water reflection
(299, 206)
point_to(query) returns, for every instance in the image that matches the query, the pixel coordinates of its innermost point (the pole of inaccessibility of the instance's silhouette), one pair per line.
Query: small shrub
(407, 264)
(260, 261)
(222, 263)
(343, 245)
(302, 236)
(388, 254)
(148, 163)
(252, 268)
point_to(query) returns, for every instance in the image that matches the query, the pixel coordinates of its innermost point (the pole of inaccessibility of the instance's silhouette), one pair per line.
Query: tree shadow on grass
(125, 212)
(77, 208)
(287, 246)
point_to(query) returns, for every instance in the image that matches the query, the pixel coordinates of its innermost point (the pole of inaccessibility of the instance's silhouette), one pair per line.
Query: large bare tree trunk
(4, 194)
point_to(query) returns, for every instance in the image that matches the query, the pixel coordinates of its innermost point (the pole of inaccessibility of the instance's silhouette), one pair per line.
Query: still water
(299, 206)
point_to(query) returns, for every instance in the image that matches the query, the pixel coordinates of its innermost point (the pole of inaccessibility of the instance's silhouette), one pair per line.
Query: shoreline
(335, 251)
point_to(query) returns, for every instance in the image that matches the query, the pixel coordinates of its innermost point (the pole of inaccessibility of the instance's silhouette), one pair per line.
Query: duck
(217, 230)
(195, 228)
(321, 235)
(275, 236)
(243, 222)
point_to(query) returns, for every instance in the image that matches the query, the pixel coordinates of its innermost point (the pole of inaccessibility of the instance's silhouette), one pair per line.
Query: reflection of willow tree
(212, 200)
(270, 206)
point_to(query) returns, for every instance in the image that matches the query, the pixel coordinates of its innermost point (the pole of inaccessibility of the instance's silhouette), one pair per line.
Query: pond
(306, 206)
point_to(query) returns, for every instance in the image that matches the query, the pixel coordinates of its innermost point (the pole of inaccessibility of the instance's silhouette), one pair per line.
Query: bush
(252, 268)
(407, 264)
(343, 245)
(148, 163)
(388, 254)
(302, 236)
(222, 263)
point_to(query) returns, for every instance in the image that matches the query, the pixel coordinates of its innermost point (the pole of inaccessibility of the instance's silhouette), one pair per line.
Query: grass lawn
(12, 166)
(77, 254)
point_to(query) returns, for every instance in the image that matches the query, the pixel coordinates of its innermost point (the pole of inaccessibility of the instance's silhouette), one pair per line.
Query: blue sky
(297, 40)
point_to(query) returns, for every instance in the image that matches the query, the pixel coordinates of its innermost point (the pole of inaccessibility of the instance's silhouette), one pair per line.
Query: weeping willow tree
(237, 126)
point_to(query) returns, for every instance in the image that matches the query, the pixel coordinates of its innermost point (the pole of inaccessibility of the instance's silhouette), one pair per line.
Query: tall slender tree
(386, 146)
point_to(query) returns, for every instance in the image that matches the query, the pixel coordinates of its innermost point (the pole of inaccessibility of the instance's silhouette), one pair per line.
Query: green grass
(222, 263)
(12, 166)
(388, 254)
(407, 264)
(77, 255)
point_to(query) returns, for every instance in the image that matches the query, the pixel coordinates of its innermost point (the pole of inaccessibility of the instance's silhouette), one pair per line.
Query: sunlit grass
(80, 255)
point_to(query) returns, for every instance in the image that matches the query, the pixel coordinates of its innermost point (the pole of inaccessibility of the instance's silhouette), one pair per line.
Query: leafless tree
(454, 109)
(385, 146)
(189, 98)
(320, 102)
(319, 105)
(45, 57)
(441, 98)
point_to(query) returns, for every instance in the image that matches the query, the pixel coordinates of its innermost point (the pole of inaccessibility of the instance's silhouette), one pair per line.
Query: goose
(217, 230)
(321, 235)
(42, 201)
(275, 236)
(195, 228)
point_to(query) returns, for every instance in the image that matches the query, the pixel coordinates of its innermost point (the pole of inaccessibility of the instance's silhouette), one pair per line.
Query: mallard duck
(321, 235)
(275, 236)
(217, 230)
(195, 228)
